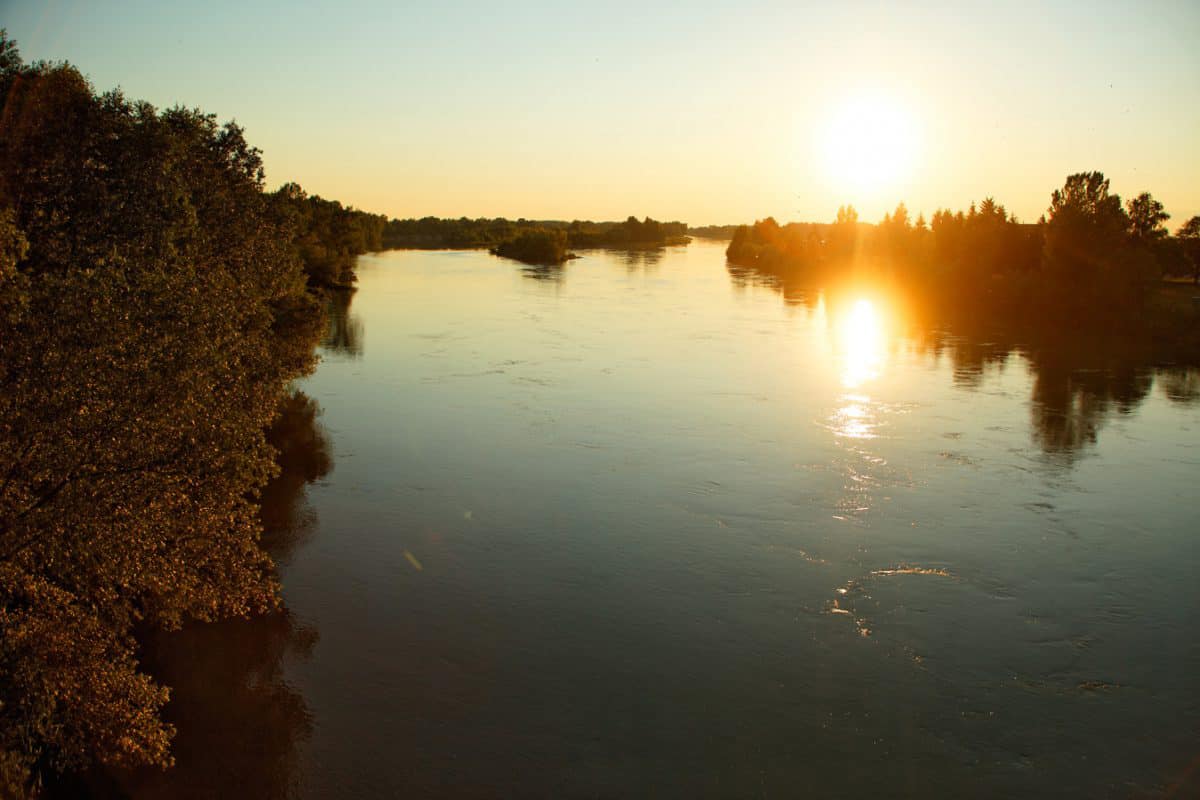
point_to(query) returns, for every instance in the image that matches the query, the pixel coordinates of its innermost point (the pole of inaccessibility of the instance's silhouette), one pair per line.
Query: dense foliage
(152, 311)
(328, 235)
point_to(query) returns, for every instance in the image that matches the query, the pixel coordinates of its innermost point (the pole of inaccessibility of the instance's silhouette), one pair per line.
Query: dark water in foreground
(639, 527)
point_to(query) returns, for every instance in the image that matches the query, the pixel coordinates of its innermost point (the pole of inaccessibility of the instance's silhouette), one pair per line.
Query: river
(648, 526)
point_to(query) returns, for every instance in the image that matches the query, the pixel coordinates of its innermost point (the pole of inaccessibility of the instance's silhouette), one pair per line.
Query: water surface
(645, 526)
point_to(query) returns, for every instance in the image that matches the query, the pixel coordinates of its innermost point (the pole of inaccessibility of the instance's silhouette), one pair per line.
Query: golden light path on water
(861, 342)
(860, 349)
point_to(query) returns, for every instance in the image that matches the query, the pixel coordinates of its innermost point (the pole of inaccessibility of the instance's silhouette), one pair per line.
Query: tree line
(434, 233)
(725, 232)
(1089, 256)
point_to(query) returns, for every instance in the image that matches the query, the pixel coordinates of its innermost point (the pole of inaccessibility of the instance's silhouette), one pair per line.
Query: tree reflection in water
(240, 724)
(1080, 381)
(1071, 402)
(546, 273)
(1180, 385)
(304, 457)
(345, 332)
(644, 259)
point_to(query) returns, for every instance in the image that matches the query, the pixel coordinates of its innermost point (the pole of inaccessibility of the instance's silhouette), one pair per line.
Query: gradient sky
(710, 113)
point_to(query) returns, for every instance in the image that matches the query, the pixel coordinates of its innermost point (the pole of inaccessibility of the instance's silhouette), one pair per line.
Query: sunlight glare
(869, 143)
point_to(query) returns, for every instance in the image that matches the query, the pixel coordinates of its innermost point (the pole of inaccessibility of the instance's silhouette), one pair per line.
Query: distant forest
(431, 232)
(725, 232)
(330, 235)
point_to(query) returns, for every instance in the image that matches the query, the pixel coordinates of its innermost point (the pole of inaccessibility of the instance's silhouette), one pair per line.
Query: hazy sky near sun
(705, 112)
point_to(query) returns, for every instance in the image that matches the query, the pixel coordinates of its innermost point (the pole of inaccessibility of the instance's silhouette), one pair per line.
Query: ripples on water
(645, 525)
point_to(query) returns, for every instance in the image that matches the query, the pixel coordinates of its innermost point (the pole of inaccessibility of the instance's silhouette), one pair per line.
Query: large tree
(1084, 254)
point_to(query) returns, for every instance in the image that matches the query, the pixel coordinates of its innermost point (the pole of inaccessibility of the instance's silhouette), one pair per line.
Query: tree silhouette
(1189, 236)
(1085, 237)
(1146, 218)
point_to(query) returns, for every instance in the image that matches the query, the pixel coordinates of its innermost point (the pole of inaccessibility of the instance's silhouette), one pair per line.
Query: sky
(711, 113)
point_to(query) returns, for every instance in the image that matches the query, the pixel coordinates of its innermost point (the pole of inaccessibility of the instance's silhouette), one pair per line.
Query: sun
(868, 143)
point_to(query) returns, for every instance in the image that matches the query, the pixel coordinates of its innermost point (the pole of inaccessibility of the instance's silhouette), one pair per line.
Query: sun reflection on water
(861, 333)
(854, 419)
(861, 346)
(860, 350)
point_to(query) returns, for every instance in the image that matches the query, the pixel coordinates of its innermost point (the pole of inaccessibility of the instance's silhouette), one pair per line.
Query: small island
(545, 244)
(535, 246)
